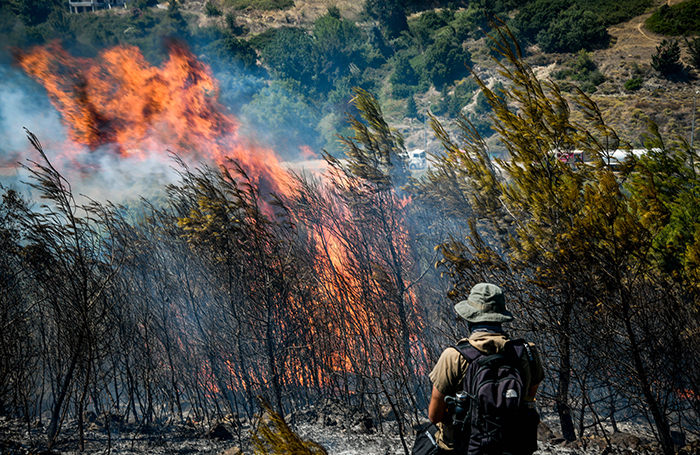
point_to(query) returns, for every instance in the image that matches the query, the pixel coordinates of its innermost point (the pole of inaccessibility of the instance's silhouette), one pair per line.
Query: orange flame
(120, 100)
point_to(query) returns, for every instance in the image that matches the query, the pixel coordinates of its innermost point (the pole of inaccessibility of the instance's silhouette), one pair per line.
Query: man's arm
(532, 392)
(437, 406)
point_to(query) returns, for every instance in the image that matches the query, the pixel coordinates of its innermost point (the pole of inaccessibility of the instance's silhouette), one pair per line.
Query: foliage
(282, 119)
(291, 54)
(446, 60)
(390, 14)
(451, 104)
(680, 19)
(272, 436)
(426, 28)
(634, 84)
(582, 69)
(561, 26)
(144, 4)
(468, 23)
(590, 238)
(666, 189)
(225, 52)
(612, 13)
(667, 59)
(34, 12)
(573, 29)
(211, 10)
(264, 5)
(411, 108)
(403, 72)
(537, 16)
(318, 62)
(694, 51)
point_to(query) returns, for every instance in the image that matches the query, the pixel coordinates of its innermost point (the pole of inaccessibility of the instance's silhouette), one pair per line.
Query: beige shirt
(448, 373)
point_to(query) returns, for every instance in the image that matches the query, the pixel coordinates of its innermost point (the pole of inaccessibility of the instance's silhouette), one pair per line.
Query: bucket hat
(484, 304)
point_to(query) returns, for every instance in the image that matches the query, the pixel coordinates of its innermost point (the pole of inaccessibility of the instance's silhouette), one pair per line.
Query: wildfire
(118, 100)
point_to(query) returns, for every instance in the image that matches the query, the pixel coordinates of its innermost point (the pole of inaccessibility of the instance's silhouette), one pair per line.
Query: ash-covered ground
(339, 429)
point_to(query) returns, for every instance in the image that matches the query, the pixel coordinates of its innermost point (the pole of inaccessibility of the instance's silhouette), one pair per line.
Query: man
(484, 311)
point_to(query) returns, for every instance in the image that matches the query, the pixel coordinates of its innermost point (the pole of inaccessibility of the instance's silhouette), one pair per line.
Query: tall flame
(119, 100)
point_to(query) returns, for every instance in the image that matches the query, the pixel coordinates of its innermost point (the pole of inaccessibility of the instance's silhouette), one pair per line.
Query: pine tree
(411, 108)
(581, 242)
(667, 59)
(694, 52)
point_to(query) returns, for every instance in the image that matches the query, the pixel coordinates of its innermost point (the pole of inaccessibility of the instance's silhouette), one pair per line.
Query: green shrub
(33, 12)
(144, 4)
(596, 78)
(634, 84)
(211, 10)
(401, 91)
(582, 69)
(618, 11)
(411, 107)
(264, 5)
(680, 19)
(390, 14)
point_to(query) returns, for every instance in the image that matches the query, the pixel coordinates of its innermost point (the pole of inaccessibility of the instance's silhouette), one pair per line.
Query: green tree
(411, 107)
(34, 12)
(340, 46)
(680, 19)
(537, 16)
(211, 10)
(694, 51)
(574, 232)
(284, 119)
(291, 54)
(573, 29)
(446, 60)
(403, 73)
(667, 59)
(390, 14)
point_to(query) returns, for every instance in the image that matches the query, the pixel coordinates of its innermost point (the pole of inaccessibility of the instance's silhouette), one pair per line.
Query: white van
(416, 159)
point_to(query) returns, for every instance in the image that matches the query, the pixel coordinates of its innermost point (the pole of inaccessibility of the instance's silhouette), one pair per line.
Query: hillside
(666, 102)
(313, 82)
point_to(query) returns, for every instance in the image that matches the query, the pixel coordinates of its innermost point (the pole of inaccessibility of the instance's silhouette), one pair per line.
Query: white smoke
(99, 175)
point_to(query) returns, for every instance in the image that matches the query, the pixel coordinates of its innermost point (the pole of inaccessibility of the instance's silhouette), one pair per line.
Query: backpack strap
(521, 346)
(514, 347)
(469, 352)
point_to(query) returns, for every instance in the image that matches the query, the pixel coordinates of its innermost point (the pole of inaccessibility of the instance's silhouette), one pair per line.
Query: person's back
(519, 372)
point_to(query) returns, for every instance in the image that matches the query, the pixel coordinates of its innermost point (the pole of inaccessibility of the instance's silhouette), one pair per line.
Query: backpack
(497, 418)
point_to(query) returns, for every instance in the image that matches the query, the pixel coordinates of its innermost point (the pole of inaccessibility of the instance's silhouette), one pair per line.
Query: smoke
(99, 175)
(22, 105)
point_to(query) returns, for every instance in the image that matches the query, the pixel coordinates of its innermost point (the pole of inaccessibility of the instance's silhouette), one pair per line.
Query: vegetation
(667, 59)
(433, 48)
(634, 84)
(141, 311)
(694, 52)
(264, 5)
(583, 70)
(593, 241)
(680, 19)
